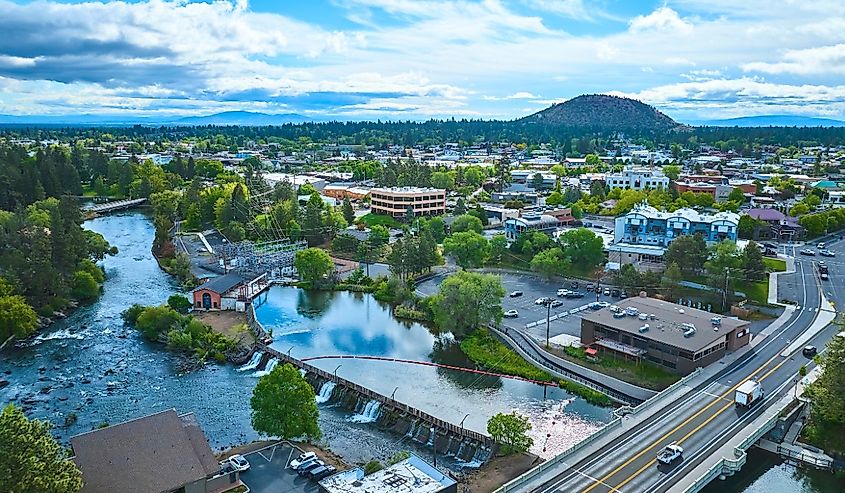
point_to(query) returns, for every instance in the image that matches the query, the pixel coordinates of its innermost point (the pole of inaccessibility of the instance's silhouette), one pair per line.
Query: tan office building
(678, 338)
(395, 201)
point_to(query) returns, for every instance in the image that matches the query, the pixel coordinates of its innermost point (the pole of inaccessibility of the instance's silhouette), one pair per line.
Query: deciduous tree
(510, 431)
(313, 264)
(466, 301)
(284, 405)
(469, 249)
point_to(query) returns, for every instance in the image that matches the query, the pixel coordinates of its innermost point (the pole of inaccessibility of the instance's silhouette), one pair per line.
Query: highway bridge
(701, 415)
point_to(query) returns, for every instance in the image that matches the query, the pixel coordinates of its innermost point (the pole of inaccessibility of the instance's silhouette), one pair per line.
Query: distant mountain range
(773, 121)
(603, 112)
(242, 118)
(245, 118)
(590, 112)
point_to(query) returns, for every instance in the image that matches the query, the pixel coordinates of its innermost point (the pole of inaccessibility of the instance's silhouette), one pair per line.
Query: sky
(417, 59)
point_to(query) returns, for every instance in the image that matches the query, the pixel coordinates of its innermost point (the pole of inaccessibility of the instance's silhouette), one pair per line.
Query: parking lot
(534, 287)
(267, 472)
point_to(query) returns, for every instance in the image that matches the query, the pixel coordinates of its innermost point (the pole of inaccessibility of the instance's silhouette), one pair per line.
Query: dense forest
(47, 260)
(379, 135)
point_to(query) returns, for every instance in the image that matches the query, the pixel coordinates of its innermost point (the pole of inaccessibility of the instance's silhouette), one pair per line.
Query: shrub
(372, 466)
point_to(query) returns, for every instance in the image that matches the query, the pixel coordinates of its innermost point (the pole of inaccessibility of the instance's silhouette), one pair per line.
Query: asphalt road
(706, 418)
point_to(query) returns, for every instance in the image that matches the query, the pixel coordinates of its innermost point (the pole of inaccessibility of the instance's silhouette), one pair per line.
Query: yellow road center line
(699, 427)
(681, 425)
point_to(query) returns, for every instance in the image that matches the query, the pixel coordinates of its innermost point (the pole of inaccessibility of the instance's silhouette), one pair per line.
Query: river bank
(91, 368)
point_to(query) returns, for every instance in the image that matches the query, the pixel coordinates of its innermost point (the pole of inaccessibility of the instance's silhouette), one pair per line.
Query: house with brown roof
(773, 224)
(160, 453)
(677, 338)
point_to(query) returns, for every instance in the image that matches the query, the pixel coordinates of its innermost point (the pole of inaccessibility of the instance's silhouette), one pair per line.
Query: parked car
(575, 294)
(607, 291)
(827, 253)
(574, 285)
(821, 246)
(591, 287)
(511, 314)
(563, 292)
(615, 293)
(326, 471)
(556, 303)
(807, 251)
(239, 463)
(542, 301)
(809, 351)
(515, 294)
(302, 471)
(303, 458)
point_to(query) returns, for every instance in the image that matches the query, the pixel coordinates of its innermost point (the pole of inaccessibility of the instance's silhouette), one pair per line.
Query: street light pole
(335, 370)
(462, 421)
(394, 393)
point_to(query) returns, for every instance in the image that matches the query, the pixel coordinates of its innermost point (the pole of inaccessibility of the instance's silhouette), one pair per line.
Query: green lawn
(380, 219)
(644, 373)
(774, 264)
(756, 292)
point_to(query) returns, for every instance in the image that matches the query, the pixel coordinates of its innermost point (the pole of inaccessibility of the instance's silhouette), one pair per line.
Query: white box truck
(748, 393)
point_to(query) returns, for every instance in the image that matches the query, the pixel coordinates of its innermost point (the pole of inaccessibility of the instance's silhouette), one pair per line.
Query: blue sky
(415, 59)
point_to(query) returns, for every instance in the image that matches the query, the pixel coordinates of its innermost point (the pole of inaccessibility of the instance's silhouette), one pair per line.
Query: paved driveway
(268, 474)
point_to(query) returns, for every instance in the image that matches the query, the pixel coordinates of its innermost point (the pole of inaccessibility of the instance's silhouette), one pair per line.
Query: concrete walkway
(539, 357)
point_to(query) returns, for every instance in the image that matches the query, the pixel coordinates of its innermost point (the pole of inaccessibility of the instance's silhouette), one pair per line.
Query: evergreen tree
(348, 212)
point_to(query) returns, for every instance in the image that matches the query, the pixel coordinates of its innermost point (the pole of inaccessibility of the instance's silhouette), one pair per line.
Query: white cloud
(662, 19)
(516, 95)
(568, 8)
(745, 95)
(810, 61)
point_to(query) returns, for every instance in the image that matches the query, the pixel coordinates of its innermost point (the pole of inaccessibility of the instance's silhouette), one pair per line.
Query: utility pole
(434, 445)
(725, 291)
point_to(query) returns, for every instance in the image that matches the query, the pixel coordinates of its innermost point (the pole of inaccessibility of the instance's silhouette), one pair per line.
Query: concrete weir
(467, 446)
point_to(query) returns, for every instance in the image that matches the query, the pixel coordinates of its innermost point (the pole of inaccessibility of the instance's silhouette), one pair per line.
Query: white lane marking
(595, 480)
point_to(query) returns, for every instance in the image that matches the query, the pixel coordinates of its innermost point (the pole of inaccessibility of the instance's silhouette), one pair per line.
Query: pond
(313, 324)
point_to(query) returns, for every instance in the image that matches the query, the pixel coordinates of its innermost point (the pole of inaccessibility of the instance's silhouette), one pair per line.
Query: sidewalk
(731, 456)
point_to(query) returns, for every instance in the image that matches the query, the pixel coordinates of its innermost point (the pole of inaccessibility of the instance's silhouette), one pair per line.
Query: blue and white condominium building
(642, 235)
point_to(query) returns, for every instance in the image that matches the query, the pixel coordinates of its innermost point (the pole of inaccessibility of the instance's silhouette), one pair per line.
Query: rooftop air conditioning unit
(716, 321)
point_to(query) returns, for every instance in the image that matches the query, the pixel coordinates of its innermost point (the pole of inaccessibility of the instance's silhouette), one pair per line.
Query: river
(92, 366)
(766, 473)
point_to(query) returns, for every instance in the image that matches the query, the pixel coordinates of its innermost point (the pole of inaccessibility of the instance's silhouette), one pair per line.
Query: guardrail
(733, 465)
(388, 401)
(558, 459)
(600, 433)
(566, 374)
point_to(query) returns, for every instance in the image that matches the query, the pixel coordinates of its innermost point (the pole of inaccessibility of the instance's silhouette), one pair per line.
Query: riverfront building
(396, 201)
(672, 336)
(641, 236)
(162, 452)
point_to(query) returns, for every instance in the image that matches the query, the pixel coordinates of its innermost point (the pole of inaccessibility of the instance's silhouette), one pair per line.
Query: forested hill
(603, 112)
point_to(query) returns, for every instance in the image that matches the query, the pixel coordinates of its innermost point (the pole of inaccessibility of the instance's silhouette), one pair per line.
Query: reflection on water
(93, 366)
(312, 324)
(766, 473)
